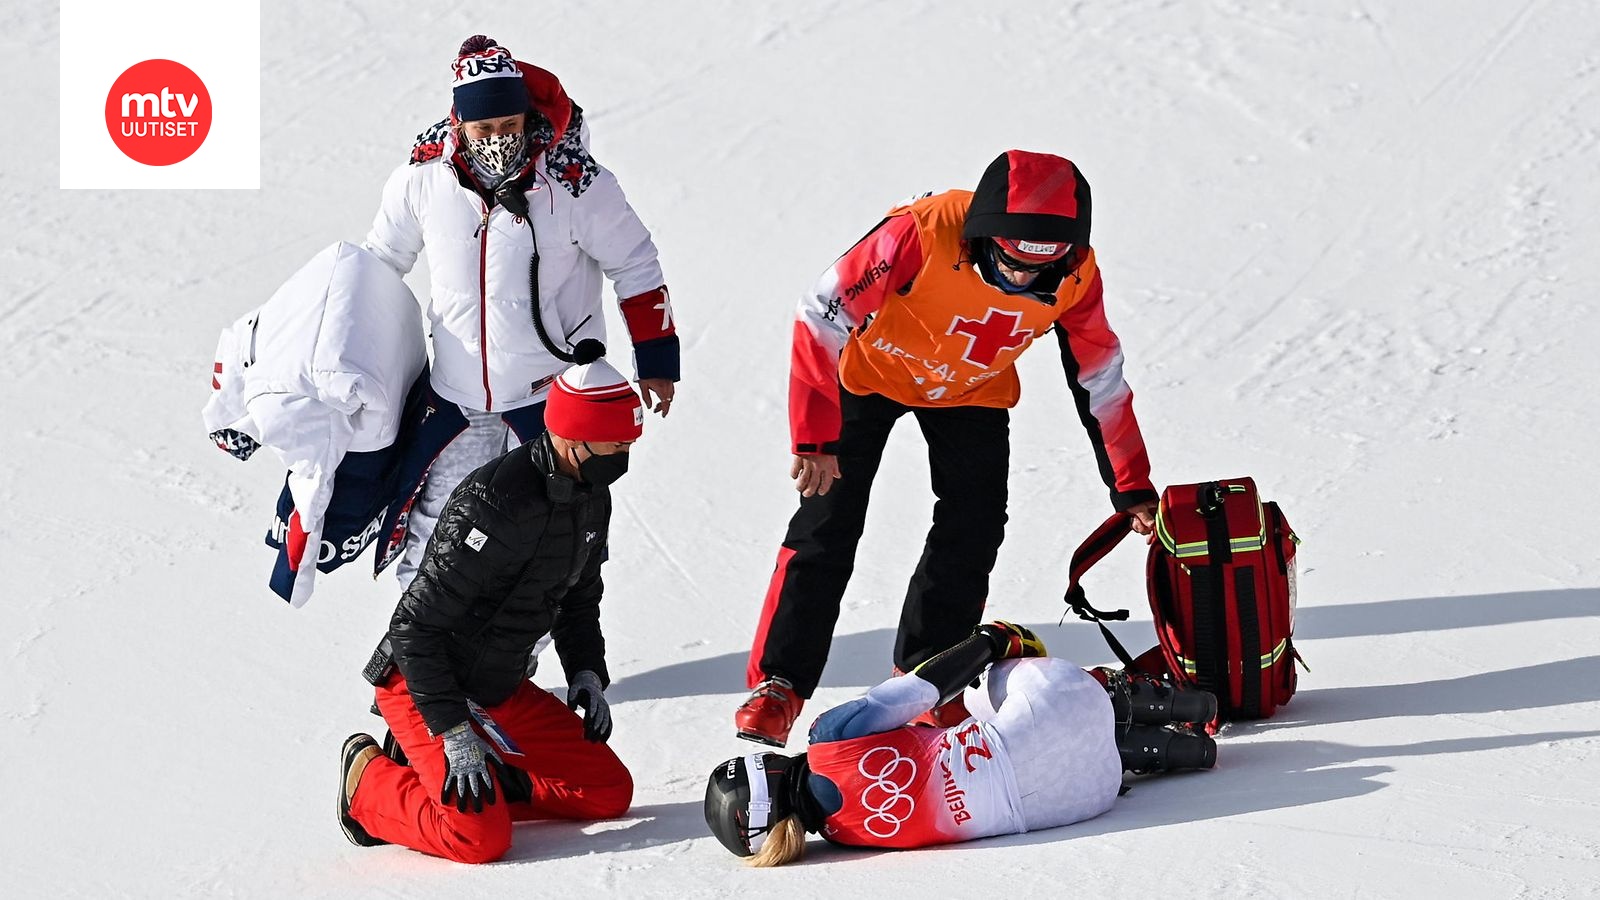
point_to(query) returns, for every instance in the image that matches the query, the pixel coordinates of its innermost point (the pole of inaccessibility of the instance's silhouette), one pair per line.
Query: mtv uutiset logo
(178, 85)
(158, 112)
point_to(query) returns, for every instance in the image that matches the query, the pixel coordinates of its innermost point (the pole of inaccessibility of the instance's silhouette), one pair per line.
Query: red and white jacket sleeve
(609, 230)
(846, 295)
(1092, 357)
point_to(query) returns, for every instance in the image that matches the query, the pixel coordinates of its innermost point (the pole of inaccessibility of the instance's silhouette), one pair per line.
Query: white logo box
(219, 39)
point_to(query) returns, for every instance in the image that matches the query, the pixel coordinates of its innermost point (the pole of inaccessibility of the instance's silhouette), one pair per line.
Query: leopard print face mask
(498, 155)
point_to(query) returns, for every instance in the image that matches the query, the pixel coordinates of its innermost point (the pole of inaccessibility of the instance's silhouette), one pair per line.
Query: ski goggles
(1021, 265)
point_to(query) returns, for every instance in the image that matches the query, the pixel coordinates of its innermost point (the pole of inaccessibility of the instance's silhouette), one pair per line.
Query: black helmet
(746, 796)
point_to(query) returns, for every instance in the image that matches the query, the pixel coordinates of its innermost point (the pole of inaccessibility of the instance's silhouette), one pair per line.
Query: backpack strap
(1211, 597)
(1093, 549)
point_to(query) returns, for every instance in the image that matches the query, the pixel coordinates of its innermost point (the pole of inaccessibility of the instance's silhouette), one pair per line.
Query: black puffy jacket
(516, 555)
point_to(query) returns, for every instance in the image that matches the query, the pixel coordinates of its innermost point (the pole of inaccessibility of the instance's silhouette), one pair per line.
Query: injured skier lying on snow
(1045, 744)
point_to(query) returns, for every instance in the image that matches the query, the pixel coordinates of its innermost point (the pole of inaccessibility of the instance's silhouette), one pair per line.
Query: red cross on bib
(988, 338)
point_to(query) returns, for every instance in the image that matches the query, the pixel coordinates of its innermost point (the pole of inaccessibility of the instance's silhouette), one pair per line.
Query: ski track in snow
(1347, 249)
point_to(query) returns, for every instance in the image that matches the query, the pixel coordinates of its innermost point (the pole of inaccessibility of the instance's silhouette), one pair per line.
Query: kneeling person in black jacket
(516, 555)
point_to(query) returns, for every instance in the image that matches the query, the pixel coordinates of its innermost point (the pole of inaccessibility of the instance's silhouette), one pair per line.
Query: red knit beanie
(593, 402)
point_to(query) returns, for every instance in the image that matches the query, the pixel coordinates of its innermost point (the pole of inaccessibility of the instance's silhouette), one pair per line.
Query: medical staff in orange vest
(927, 314)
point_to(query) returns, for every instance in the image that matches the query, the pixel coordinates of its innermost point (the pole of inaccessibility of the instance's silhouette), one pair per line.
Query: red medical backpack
(1221, 584)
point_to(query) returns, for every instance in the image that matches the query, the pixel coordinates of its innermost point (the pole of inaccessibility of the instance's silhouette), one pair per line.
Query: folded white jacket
(322, 368)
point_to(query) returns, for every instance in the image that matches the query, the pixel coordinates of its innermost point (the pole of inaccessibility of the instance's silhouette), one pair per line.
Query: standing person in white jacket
(511, 206)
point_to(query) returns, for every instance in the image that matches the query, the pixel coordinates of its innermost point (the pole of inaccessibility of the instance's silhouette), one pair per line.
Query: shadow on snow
(865, 658)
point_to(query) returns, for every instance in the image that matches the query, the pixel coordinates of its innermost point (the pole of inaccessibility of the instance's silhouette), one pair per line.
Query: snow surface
(1349, 247)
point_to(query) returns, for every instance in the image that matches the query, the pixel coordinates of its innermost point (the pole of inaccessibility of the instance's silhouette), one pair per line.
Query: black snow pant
(969, 456)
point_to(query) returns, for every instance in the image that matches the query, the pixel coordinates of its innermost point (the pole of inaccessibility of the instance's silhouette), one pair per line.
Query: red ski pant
(572, 778)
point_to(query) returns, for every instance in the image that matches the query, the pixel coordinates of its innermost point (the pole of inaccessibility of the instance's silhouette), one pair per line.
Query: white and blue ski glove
(585, 691)
(468, 760)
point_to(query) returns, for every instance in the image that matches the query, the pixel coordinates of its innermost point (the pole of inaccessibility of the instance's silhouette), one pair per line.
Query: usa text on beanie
(486, 82)
(593, 402)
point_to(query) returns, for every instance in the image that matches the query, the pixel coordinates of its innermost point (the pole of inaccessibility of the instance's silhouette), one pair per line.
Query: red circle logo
(158, 112)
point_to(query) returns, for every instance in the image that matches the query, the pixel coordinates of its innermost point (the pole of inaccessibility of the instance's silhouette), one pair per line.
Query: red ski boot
(769, 713)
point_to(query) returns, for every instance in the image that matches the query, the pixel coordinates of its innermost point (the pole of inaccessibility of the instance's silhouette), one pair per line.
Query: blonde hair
(785, 843)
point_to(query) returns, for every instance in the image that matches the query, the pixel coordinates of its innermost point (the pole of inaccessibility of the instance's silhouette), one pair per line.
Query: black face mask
(602, 470)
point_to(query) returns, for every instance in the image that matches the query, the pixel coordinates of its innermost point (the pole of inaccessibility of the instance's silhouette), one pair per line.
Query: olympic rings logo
(886, 798)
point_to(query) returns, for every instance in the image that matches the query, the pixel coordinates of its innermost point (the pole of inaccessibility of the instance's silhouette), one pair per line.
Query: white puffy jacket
(319, 370)
(487, 355)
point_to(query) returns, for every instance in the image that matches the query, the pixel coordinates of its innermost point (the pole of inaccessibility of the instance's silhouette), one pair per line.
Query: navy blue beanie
(486, 82)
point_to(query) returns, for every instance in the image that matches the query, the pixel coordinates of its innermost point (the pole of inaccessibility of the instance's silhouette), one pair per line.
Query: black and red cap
(1034, 205)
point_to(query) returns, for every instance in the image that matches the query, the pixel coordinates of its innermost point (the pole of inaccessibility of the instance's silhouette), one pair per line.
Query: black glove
(585, 691)
(468, 760)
